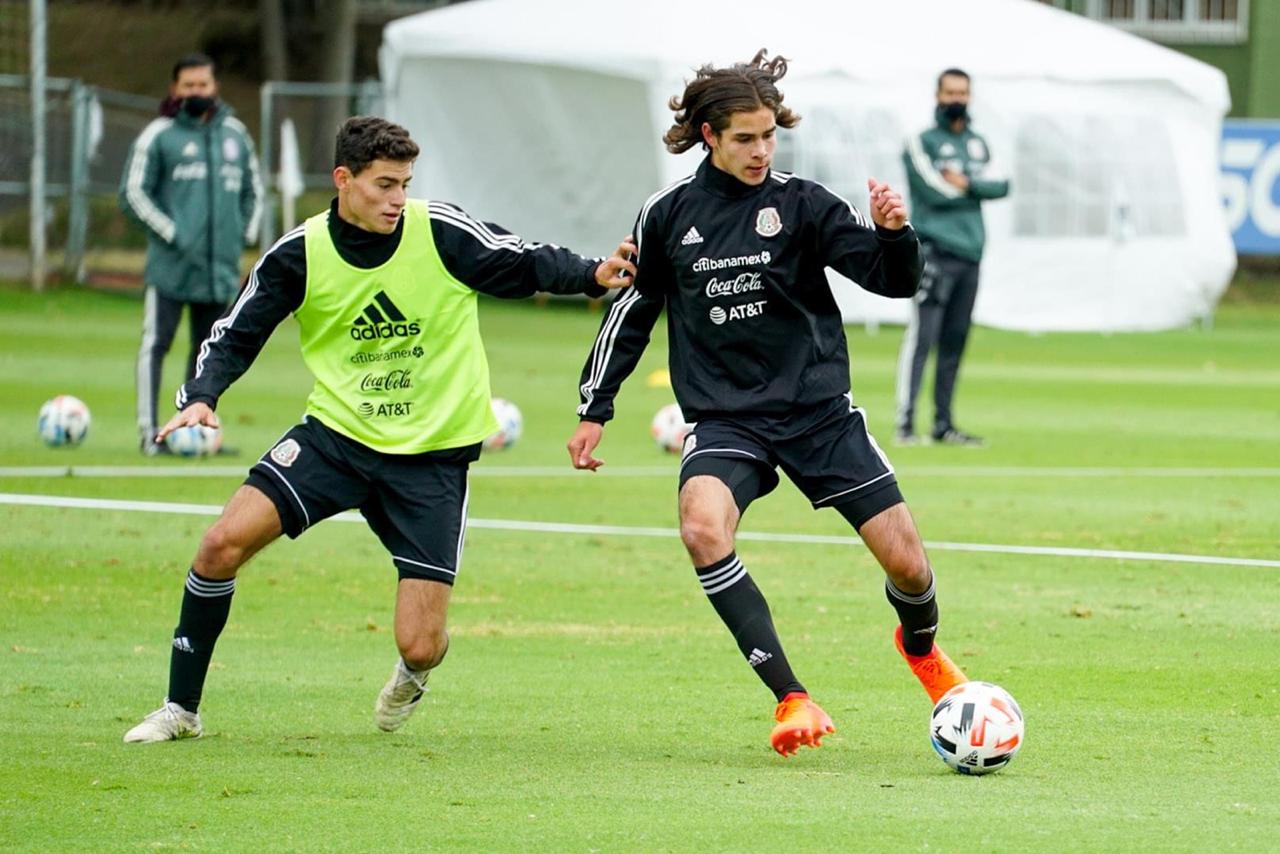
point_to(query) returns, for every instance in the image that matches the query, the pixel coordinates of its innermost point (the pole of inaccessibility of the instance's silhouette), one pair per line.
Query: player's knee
(425, 649)
(909, 570)
(704, 534)
(220, 555)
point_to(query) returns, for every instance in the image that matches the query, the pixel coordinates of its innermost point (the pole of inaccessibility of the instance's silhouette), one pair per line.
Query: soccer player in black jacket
(736, 253)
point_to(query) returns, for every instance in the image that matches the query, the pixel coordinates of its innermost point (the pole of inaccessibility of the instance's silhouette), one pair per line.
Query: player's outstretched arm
(486, 257)
(583, 441)
(617, 271)
(275, 288)
(197, 413)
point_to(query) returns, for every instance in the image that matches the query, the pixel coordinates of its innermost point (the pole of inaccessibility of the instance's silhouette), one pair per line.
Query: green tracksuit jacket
(195, 187)
(944, 214)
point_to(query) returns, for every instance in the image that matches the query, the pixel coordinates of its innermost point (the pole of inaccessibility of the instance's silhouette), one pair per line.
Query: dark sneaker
(152, 448)
(903, 438)
(226, 451)
(952, 436)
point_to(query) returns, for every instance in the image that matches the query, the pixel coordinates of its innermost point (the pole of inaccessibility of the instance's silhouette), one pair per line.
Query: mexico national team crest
(286, 452)
(768, 223)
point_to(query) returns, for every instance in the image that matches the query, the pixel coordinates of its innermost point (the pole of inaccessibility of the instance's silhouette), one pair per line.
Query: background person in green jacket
(192, 181)
(947, 171)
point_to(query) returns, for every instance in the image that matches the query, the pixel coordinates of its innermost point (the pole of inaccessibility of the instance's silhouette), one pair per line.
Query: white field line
(199, 470)
(618, 530)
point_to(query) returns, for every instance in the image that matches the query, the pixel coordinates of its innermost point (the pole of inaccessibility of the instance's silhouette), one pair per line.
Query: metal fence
(304, 118)
(89, 132)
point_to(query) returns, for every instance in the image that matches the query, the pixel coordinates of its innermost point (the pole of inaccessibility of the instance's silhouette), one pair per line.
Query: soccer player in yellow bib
(384, 289)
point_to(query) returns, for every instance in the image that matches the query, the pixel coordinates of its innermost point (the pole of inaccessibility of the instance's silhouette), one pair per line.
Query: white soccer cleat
(399, 697)
(167, 723)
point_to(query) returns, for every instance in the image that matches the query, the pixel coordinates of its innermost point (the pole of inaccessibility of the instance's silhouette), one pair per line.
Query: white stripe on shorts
(424, 565)
(854, 489)
(306, 517)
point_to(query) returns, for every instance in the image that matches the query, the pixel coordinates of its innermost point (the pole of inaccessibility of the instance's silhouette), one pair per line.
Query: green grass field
(591, 699)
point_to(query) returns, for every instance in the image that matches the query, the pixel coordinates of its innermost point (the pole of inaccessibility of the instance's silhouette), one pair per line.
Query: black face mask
(952, 112)
(197, 105)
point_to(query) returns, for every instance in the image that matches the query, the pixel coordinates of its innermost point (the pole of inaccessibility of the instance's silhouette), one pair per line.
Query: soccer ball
(510, 425)
(194, 441)
(669, 428)
(976, 728)
(64, 420)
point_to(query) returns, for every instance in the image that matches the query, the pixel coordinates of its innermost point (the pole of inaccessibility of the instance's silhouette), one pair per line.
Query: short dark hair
(364, 139)
(952, 72)
(715, 94)
(193, 60)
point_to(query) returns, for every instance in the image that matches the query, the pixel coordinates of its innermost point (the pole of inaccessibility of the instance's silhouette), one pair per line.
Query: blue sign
(1251, 185)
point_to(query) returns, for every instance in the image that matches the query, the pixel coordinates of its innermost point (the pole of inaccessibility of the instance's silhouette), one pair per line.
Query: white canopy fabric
(546, 116)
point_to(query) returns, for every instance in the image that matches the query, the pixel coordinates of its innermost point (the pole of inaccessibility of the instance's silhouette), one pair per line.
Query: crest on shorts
(768, 223)
(286, 452)
(690, 442)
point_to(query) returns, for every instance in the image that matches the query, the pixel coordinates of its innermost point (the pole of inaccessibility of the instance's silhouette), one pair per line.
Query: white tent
(546, 116)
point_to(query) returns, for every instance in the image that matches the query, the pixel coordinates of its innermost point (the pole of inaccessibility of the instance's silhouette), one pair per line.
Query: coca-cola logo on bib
(743, 283)
(390, 381)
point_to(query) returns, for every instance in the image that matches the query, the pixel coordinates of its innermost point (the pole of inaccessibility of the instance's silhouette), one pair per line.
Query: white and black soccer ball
(510, 425)
(976, 728)
(194, 441)
(63, 421)
(669, 428)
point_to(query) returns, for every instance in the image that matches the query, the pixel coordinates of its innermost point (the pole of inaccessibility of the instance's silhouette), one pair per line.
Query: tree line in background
(332, 41)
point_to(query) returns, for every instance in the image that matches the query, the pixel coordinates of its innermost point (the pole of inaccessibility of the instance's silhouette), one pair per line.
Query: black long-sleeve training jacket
(754, 328)
(481, 255)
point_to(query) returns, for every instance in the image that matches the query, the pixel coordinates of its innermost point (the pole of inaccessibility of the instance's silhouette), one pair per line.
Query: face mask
(197, 105)
(952, 112)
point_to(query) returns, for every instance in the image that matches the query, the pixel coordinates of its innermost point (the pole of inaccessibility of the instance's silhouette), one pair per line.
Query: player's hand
(583, 442)
(887, 208)
(197, 413)
(955, 179)
(617, 271)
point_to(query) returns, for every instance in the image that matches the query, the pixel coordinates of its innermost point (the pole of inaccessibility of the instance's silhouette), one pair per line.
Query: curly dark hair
(364, 139)
(715, 94)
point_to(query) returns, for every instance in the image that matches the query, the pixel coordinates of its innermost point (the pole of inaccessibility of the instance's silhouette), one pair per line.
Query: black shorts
(415, 503)
(826, 452)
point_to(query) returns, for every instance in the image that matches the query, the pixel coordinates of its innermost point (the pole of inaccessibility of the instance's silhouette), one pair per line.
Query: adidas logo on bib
(382, 319)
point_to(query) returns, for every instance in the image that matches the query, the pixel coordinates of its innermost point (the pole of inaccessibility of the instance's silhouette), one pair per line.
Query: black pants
(941, 318)
(160, 319)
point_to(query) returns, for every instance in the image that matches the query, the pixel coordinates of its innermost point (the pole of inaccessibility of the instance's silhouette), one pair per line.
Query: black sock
(205, 606)
(742, 607)
(918, 613)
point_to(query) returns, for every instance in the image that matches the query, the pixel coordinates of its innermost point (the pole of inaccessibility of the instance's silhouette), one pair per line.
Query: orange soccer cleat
(800, 721)
(936, 671)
